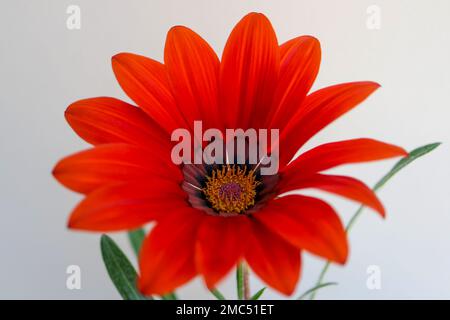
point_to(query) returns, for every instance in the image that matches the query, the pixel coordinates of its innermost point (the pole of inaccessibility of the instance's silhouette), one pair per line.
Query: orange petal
(146, 82)
(274, 260)
(307, 223)
(300, 61)
(167, 255)
(334, 154)
(193, 68)
(127, 205)
(319, 109)
(249, 72)
(344, 186)
(220, 244)
(108, 120)
(111, 163)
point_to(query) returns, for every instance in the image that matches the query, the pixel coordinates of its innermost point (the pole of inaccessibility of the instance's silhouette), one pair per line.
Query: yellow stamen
(231, 189)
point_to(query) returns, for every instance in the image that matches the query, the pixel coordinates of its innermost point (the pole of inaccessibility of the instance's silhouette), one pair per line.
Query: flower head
(211, 216)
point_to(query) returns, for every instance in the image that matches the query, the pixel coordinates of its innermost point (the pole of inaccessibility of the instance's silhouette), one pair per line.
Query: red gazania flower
(209, 218)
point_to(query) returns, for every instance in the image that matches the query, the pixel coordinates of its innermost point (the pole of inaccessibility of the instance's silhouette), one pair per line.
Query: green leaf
(136, 238)
(120, 269)
(315, 288)
(257, 295)
(217, 294)
(413, 155)
(170, 296)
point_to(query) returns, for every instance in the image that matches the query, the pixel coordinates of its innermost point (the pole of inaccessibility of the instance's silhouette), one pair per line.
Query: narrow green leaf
(119, 269)
(315, 288)
(136, 238)
(217, 294)
(240, 281)
(413, 155)
(169, 296)
(257, 295)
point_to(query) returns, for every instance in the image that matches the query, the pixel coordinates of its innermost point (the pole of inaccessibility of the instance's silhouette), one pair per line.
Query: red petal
(344, 186)
(288, 45)
(108, 120)
(112, 163)
(193, 68)
(146, 82)
(320, 109)
(334, 154)
(127, 206)
(220, 244)
(249, 72)
(307, 223)
(274, 260)
(300, 63)
(167, 255)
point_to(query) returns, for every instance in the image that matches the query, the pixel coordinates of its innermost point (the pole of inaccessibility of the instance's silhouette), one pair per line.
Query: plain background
(44, 67)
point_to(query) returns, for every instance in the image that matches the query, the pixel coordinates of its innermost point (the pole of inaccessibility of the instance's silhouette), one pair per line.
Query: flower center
(231, 189)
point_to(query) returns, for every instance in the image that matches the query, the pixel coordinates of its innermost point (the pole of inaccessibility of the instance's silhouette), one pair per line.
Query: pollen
(231, 189)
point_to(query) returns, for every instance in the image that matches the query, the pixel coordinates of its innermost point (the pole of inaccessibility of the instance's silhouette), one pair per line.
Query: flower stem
(246, 281)
(242, 279)
(321, 278)
(413, 155)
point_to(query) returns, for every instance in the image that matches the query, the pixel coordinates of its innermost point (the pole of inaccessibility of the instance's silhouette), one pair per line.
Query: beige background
(44, 66)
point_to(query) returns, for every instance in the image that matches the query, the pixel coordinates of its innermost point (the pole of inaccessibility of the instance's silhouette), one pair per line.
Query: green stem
(328, 263)
(242, 280)
(246, 282)
(320, 279)
(413, 155)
